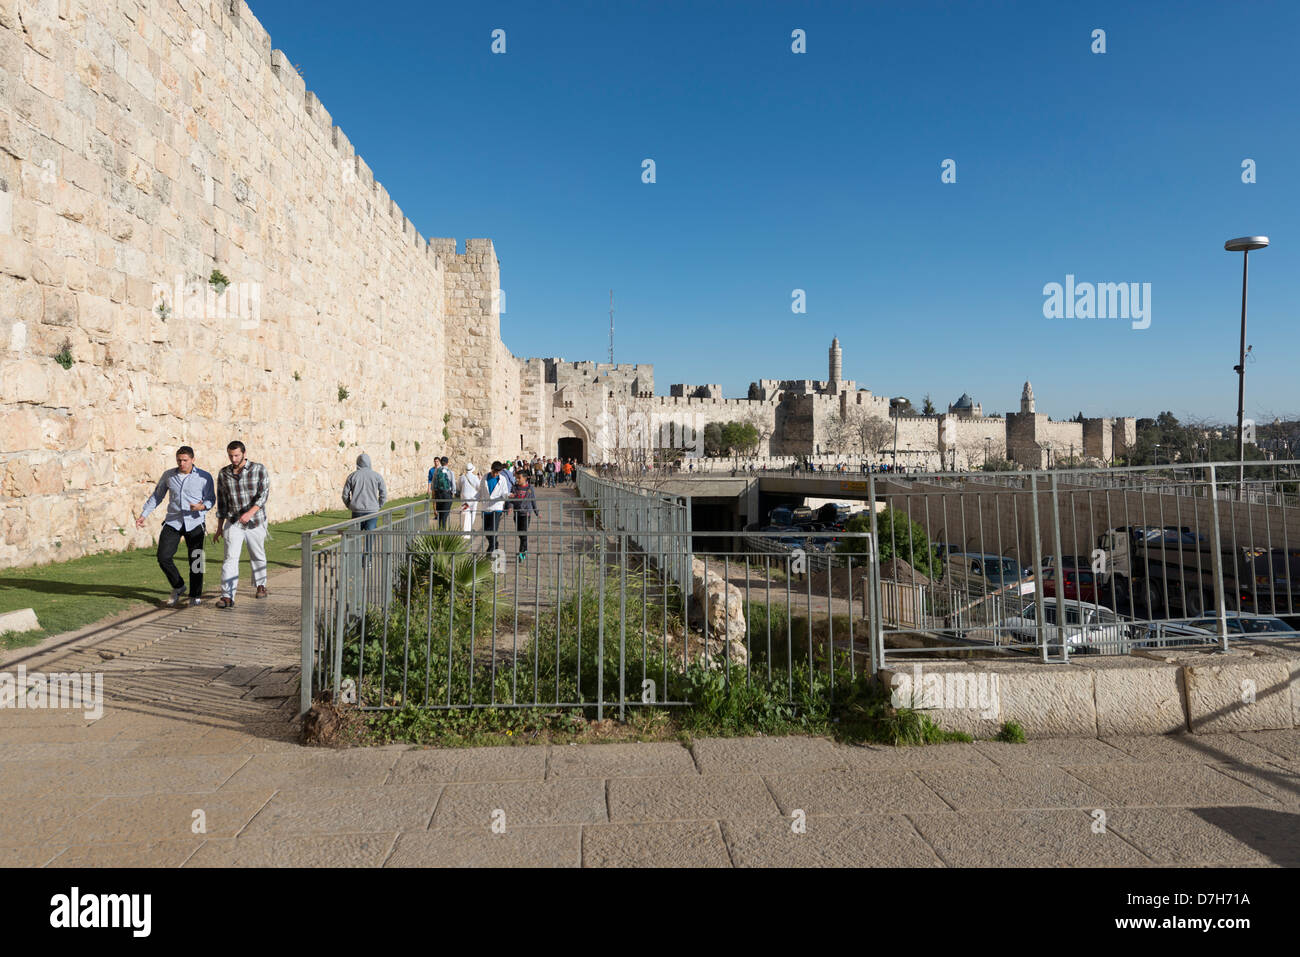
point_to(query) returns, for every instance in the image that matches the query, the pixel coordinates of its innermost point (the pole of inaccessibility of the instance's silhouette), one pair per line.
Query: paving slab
(973, 789)
(861, 841)
(309, 850)
(158, 817)
(1051, 751)
(885, 757)
(686, 798)
(1197, 748)
(557, 846)
(1285, 744)
(479, 805)
(1279, 780)
(311, 768)
(851, 793)
(655, 844)
(647, 759)
(133, 854)
(765, 755)
(1166, 785)
(350, 810)
(450, 765)
(30, 855)
(29, 820)
(133, 775)
(1025, 838)
(1214, 836)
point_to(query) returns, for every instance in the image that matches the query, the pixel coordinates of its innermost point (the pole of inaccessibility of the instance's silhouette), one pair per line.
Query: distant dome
(965, 402)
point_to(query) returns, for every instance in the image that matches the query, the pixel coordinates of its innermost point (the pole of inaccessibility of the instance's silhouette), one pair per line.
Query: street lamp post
(987, 440)
(1243, 245)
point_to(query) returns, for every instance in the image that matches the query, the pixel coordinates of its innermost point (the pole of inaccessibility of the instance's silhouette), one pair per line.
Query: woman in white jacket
(469, 486)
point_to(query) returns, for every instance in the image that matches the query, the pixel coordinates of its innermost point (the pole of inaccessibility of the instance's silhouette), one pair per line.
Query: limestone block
(1245, 694)
(26, 380)
(22, 620)
(15, 256)
(1050, 702)
(1140, 700)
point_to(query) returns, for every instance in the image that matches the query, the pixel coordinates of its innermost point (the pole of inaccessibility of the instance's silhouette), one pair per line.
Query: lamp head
(1245, 244)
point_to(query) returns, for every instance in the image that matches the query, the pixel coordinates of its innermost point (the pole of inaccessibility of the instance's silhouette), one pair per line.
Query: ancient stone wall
(144, 145)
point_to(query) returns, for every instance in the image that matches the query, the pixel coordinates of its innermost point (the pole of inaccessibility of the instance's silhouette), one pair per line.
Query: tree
(902, 406)
(999, 465)
(928, 407)
(713, 439)
(862, 433)
(899, 536)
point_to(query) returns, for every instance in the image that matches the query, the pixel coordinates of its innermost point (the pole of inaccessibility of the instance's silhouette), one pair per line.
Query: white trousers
(236, 535)
(467, 518)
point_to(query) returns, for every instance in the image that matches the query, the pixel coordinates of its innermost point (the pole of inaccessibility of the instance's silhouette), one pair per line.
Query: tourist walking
(492, 495)
(190, 492)
(469, 486)
(364, 494)
(242, 489)
(523, 502)
(442, 488)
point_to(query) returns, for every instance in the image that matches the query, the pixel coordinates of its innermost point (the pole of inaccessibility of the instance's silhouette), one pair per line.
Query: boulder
(724, 605)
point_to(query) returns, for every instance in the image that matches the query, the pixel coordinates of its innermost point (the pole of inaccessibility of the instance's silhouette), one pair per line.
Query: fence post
(1218, 563)
(878, 618)
(1038, 570)
(308, 605)
(1061, 615)
(600, 635)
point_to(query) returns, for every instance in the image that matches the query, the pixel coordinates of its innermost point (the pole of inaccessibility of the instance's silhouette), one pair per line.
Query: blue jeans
(366, 526)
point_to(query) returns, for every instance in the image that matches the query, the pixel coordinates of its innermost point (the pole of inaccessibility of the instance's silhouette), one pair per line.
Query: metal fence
(611, 601)
(1068, 562)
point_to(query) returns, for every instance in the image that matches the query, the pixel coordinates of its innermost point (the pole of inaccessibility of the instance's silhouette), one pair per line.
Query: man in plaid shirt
(242, 487)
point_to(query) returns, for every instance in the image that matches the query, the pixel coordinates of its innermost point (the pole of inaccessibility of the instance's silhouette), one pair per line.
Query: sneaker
(261, 591)
(195, 601)
(522, 556)
(175, 597)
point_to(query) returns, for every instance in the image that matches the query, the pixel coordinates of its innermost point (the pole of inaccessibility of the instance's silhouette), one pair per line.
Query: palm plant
(445, 560)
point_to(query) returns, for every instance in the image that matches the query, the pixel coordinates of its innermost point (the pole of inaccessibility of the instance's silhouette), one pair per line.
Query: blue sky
(821, 171)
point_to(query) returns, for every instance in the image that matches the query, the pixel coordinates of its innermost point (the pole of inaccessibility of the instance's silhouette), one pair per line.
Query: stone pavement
(197, 726)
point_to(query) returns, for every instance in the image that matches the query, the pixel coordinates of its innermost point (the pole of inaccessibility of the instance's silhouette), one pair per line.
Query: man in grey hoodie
(364, 493)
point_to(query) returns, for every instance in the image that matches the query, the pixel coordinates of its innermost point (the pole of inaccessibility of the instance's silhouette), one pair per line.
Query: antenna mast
(611, 327)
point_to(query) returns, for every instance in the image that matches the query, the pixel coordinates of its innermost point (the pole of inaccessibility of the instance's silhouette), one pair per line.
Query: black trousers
(491, 522)
(521, 525)
(168, 540)
(444, 510)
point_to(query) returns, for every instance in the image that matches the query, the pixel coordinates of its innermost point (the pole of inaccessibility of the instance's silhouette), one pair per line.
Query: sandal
(224, 602)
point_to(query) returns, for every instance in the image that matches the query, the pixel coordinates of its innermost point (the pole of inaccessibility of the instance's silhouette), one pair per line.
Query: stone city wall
(142, 146)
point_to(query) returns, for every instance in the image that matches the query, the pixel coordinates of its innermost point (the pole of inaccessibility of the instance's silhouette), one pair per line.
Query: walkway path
(197, 728)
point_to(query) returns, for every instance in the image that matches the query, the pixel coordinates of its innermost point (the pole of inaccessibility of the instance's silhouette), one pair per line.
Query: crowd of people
(506, 489)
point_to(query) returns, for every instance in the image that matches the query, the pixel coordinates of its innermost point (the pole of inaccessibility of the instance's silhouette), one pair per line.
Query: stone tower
(837, 363)
(1027, 399)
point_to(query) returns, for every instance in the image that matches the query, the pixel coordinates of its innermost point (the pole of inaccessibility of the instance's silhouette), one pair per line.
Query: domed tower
(837, 360)
(1027, 399)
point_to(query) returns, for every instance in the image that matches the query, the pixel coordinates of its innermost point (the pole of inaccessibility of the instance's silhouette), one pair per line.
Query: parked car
(1078, 583)
(1087, 627)
(1245, 623)
(980, 574)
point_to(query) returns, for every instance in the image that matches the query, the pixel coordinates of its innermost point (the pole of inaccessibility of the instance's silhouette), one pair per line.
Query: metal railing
(614, 601)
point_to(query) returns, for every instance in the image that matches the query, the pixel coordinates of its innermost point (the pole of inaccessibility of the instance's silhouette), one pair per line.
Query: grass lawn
(73, 594)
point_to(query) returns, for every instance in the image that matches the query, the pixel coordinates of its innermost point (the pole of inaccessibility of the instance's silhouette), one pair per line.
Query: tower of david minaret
(836, 362)
(1027, 399)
